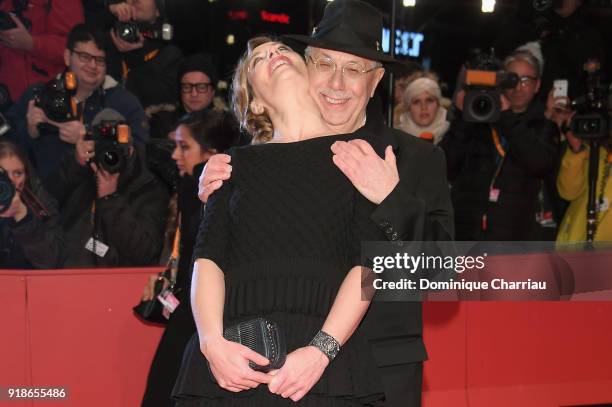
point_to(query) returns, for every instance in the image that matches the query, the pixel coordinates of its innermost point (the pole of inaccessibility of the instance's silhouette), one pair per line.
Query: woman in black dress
(198, 136)
(281, 240)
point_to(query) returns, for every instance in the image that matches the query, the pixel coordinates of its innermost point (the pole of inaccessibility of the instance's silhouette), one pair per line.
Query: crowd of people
(105, 151)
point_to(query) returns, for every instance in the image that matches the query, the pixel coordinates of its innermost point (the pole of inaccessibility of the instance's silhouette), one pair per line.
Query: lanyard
(147, 58)
(497, 142)
(484, 222)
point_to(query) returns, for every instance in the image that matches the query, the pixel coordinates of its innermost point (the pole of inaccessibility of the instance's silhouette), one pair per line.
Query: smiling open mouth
(278, 62)
(334, 101)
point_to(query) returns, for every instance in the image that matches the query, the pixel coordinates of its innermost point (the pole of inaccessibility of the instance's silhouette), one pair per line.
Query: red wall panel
(13, 338)
(75, 329)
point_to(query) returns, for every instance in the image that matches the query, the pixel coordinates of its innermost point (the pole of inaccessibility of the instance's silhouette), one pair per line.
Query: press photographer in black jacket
(113, 209)
(30, 232)
(496, 170)
(146, 63)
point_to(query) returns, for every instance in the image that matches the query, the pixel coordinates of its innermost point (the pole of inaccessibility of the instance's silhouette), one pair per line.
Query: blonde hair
(259, 126)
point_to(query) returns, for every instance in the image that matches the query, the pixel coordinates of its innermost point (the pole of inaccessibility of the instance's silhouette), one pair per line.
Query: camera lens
(7, 191)
(588, 126)
(111, 158)
(482, 106)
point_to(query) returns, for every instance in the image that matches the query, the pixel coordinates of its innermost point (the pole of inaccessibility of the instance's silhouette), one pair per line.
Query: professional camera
(56, 98)
(112, 141)
(483, 84)
(592, 118)
(130, 31)
(7, 191)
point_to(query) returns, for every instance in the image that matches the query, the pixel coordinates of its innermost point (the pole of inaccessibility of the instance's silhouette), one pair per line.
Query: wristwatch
(326, 344)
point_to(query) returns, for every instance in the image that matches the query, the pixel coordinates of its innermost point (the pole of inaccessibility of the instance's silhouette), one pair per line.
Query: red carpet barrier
(75, 329)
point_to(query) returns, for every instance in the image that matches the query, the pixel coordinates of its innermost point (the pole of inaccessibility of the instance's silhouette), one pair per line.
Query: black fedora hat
(350, 26)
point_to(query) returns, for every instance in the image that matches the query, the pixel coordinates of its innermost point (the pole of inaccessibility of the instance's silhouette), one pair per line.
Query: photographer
(573, 179)
(113, 208)
(495, 169)
(45, 140)
(148, 62)
(32, 38)
(30, 233)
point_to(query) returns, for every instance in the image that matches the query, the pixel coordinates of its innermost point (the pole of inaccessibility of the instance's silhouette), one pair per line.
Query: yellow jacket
(573, 186)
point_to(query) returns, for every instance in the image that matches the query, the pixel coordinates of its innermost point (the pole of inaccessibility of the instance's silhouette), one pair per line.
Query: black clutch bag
(264, 337)
(152, 310)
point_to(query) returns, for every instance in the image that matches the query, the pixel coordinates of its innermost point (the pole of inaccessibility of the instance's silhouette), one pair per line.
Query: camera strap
(125, 69)
(94, 244)
(172, 263)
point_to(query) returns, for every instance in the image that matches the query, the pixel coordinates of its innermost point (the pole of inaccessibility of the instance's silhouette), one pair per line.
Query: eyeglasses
(350, 70)
(525, 81)
(86, 57)
(202, 87)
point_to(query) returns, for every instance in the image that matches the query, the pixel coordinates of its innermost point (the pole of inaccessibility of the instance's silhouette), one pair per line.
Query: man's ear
(67, 57)
(378, 75)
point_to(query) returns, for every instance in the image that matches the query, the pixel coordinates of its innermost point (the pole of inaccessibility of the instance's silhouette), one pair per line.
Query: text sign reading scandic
(280, 18)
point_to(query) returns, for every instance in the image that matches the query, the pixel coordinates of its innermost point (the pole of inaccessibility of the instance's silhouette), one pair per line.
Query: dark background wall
(450, 27)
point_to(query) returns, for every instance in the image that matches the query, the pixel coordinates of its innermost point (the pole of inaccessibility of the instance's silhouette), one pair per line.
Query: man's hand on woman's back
(217, 170)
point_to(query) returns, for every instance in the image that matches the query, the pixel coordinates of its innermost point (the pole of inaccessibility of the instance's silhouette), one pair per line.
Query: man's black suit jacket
(418, 209)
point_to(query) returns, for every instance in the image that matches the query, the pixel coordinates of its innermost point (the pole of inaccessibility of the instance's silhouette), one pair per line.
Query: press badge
(169, 301)
(494, 195)
(100, 248)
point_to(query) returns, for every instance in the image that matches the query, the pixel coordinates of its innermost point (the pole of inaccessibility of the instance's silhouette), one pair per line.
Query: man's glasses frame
(526, 80)
(352, 70)
(200, 87)
(86, 57)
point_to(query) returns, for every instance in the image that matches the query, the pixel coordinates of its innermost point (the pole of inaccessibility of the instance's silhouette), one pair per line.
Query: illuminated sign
(406, 43)
(266, 16)
(238, 15)
(274, 18)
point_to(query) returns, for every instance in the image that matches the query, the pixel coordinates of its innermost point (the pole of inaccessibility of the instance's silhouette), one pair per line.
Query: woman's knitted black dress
(285, 230)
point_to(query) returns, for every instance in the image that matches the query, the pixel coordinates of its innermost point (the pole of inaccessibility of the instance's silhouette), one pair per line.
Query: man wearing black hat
(196, 83)
(198, 78)
(409, 185)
